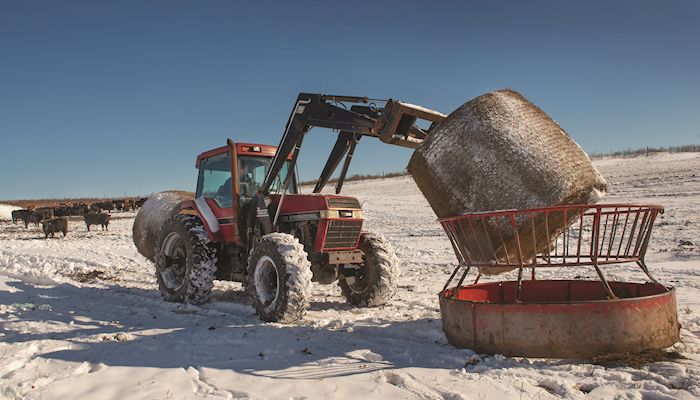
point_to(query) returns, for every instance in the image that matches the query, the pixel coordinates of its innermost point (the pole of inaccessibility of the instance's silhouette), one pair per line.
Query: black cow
(106, 205)
(97, 219)
(46, 212)
(32, 217)
(18, 215)
(61, 211)
(52, 226)
(78, 209)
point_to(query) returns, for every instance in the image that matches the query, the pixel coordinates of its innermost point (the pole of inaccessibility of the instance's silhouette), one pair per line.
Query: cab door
(214, 185)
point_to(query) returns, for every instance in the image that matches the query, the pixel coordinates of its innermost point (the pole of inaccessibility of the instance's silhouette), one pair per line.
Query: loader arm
(391, 121)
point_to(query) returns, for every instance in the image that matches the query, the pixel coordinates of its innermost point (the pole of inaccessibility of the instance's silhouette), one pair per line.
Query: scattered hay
(636, 360)
(91, 277)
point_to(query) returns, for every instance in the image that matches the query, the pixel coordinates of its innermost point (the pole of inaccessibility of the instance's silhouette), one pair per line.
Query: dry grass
(358, 177)
(56, 202)
(636, 360)
(92, 276)
(646, 151)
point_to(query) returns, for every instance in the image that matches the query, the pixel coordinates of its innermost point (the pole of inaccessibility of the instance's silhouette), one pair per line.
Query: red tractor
(249, 223)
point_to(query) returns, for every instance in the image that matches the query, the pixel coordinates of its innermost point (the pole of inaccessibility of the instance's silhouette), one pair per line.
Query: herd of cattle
(54, 219)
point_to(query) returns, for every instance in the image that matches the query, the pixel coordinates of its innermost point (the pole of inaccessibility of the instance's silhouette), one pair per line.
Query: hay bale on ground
(151, 216)
(499, 151)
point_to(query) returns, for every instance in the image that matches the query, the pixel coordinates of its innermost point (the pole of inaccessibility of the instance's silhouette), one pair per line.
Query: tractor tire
(185, 260)
(279, 278)
(377, 277)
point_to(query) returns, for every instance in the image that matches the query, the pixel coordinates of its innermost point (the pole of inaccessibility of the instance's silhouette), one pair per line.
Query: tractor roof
(242, 149)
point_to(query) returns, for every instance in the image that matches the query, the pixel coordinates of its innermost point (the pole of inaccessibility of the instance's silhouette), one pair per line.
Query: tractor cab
(228, 181)
(252, 163)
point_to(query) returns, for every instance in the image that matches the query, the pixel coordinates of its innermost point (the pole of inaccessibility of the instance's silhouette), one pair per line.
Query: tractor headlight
(335, 214)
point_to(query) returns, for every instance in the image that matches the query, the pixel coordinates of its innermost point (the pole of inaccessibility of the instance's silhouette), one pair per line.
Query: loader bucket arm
(340, 149)
(393, 122)
(344, 147)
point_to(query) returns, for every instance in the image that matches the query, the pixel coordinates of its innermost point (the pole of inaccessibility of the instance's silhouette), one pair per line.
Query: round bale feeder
(556, 318)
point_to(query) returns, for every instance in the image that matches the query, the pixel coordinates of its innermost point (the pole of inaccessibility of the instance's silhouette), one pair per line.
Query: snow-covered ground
(6, 212)
(81, 317)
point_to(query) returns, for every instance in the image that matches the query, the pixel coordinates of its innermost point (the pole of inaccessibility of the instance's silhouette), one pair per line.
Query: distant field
(646, 151)
(56, 202)
(629, 153)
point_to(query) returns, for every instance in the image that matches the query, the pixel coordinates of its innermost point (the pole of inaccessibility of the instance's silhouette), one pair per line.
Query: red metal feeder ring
(556, 318)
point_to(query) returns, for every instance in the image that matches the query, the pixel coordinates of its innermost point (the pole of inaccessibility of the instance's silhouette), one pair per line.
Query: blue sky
(105, 98)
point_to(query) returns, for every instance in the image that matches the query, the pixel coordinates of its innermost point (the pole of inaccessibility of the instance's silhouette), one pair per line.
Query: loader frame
(391, 121)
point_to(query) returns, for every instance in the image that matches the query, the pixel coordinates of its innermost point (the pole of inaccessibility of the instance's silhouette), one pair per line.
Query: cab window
(214, 180)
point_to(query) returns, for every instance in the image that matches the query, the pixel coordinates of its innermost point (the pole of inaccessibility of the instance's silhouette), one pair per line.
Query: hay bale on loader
(151, 216)
(499, 151)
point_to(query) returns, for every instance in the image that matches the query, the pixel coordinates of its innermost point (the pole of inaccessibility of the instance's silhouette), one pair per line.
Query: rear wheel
(372, 283)
(279, 278)
(185, 260)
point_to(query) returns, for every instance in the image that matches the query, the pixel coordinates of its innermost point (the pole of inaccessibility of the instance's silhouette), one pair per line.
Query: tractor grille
(343, 202)
(342, 234)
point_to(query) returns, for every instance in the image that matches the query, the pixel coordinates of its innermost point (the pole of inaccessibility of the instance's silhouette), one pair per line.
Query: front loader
(248, 221)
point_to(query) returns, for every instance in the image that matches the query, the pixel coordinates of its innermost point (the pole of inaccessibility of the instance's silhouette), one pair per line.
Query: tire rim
(359, 282)
(175, 261)
(266, 280)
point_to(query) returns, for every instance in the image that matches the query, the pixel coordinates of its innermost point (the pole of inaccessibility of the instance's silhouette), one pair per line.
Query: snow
(82, 317)
(6, 212)
(206, 212)
(423, 109)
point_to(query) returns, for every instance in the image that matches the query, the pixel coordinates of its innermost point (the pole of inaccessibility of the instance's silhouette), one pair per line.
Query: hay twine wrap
(499, 151)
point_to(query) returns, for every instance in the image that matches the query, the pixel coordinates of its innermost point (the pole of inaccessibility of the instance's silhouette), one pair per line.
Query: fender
(202, 209)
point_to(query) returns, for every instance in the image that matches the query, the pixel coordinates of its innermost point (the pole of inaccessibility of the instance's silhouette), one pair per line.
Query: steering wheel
(246, 189)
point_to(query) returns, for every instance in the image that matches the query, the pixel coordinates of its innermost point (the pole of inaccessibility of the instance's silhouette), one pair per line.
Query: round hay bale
(151, 217)
(499, 151)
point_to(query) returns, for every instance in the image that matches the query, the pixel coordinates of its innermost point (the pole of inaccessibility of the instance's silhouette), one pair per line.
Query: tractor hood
(334, 222)
(306, 203)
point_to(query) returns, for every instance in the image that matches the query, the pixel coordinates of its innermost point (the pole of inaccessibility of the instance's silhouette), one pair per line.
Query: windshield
(252, 172)
(215, 178)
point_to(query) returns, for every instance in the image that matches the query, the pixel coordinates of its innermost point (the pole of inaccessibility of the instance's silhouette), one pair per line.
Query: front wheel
(185, 260)
(372, 283)
(279, 278)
